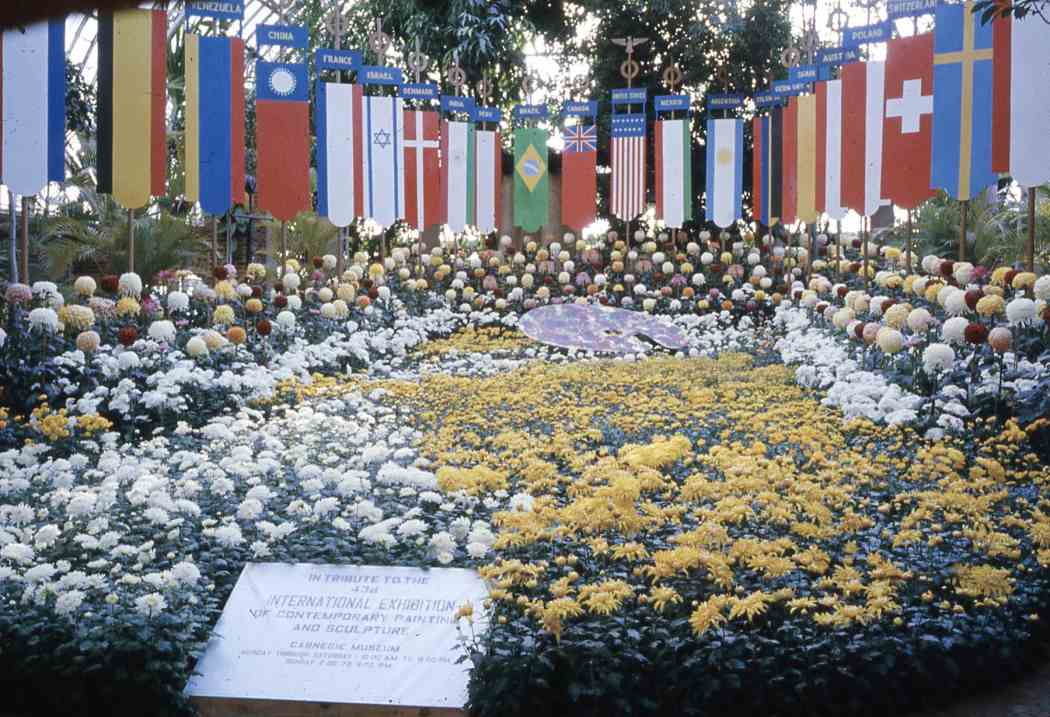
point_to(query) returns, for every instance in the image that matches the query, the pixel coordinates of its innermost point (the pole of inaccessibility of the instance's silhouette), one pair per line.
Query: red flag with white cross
(907, 137)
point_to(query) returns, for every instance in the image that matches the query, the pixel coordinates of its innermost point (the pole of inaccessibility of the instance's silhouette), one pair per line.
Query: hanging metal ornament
(838, 20)
(418, 62)
(281, 7)
(335, 23)
(790, 56)
(378, 41)
(869, 5)
(457, 77)
(673, 77)
(629, 68)
(810, 44)
(484, 88)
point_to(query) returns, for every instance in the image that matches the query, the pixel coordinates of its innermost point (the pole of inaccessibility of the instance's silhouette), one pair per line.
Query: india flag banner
(458, 173)
(33, 120)
(214, 122)
(725, 170)
(382, 159)
(132, 149)
(674, 172)
(339, 185)
(488, 178)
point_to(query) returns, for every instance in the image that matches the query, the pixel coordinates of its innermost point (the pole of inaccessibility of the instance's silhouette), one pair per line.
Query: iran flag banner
(863, 93)
(381, 159)
(907, 140)
(33, 121)
(674, 172)
(1021, 100)
(422, 169)
(457, 173)
(725, 170)
(339, 184)
(488, 176)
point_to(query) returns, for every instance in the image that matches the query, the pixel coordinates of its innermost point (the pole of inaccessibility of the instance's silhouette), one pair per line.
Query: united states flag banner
(627, 198)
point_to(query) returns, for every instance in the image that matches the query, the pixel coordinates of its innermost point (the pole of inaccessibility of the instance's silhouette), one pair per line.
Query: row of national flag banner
(949, 110)
(952, 110)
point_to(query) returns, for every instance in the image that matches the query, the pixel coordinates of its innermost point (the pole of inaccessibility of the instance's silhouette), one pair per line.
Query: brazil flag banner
(531, 184)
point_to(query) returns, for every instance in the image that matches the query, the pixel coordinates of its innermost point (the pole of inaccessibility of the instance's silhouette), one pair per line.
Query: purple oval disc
(599, 328)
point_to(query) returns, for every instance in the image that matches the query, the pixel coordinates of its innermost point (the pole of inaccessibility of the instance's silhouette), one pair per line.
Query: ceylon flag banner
(579, 176)
(340, 189)
(674, 171)
(282, 138)
(759, 169)
(806, 158)
(531, 184)
(789, 164)
(829, 149)
(214, 122)
(863, 93)
(381, 159)
(1022, 99)
(422, 168)
(775, 180)
(725, 169)
(908, 137)
(33, 120)
(488, 179)
(132, 96)
(627, 198)
(962, 102)
(458, 173)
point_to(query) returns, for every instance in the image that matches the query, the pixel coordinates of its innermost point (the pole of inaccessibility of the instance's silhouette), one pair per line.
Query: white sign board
(342, 634)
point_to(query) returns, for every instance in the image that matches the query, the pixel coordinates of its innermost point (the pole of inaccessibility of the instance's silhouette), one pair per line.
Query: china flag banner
(907, 138)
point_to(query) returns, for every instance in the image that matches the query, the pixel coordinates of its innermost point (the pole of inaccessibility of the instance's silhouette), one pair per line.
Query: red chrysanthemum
(976, 334)
(264, 327)
(127, 335)
(220, 272)
(110, 283)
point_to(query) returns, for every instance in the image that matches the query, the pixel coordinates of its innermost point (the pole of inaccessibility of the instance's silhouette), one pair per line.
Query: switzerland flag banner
(907, 138)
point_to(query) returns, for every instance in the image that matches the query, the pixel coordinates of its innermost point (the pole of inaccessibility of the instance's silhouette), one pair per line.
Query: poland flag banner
(381, 159)
(829, 149)
(1021, 62)
(488, 175)
(339, 186)
(33, 120)
(863, 93)
(422, 169)
(907, 142)
(725, 170)
(674, 172)
(457, 173)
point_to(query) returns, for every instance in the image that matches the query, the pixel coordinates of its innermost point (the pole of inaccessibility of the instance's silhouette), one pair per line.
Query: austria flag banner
(725, 170)
(458, 173)
(962, 102)
(132, 154)
(907, 138)
(33, 121)
(1021, 120)
(282, 138)
(422, 168)
(829, 149)
(863, 93)
(214, 122)
(488, 172)
(340, 190)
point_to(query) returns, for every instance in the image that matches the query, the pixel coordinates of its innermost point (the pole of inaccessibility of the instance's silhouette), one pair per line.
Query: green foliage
(990, 9)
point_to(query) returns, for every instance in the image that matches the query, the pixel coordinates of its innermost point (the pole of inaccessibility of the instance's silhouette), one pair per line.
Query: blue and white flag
(382, 159)
(725, 170)
(962, 102)
(33, 124)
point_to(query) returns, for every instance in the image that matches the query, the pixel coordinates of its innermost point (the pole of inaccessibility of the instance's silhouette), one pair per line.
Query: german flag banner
(214, 122)
(132, 72)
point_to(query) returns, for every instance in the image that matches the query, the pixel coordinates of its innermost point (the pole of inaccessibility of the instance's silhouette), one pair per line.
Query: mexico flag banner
(214, 122)
(33, 120)
(282, 138)
(458, 173)
(340, 191)
(531, 184)
(674, 172)
(725, 170)
(132, 97)
(488, 174)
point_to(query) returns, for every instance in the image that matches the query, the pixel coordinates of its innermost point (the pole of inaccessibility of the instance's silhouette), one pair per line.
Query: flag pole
(337, 32)
(965, 206)
(13, 236)
(131, 240)
(26, 209)
(284, 248)
(214, 241)
(864, 248)
(907, 241)
(1029, 245)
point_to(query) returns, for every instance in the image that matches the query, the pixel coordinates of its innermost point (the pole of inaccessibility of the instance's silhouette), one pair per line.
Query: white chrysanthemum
(411, 528)
(44, 319)
(229, 536)
(930, 263)
(286, 320)
(130, 284)
(185, 573)
(889, 340)
(178, 301)
(196, 347)
(937, 358)
(1042, 288)
(69, 602)
(963, 272)
(841, 317)
(295, 303)
(1020, 311)
(85, 286)
(162, 331)
(151, 604)
(919, 320)
(290, 281)
(954, 330)
(955, 303)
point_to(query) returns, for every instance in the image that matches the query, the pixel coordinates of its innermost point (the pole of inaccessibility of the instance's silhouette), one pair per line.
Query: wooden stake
(907, 242)
(965, 205)
(131, 240)
(230, 258)
(864, 248)
(214, 242)
(27, 207)
(1029, 245)
(284, 249)
(12, 245)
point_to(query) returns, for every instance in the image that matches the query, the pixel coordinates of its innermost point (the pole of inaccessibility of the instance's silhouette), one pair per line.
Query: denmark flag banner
(907, 138)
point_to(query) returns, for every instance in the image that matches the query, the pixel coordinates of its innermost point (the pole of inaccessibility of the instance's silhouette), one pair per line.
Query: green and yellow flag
(531, 183)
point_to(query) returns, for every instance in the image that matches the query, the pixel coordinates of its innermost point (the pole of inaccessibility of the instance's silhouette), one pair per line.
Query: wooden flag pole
(337, 33)
(907, 242)
(230, 258)
(131, 240)
(629, 69)
(965, 206)
(12, 245)
(214, 242)
(26, 209)
(1029, 245)
(284, 248)
(864, 249)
